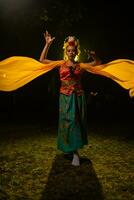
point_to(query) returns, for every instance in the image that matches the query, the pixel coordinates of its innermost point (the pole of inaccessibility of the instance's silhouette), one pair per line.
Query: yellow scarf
(17, 71)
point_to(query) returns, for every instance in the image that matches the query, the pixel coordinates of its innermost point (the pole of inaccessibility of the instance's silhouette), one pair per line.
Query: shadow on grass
(68, 182)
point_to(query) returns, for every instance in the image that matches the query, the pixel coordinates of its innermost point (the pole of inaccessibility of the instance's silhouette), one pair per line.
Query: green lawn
(33, 169)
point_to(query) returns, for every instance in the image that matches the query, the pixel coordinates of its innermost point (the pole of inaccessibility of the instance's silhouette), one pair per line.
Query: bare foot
(76, 160)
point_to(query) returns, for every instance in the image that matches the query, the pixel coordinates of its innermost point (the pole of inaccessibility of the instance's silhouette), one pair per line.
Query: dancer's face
(71, 52)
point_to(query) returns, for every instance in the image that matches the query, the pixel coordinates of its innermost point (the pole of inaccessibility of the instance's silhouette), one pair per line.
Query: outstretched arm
(49, 40)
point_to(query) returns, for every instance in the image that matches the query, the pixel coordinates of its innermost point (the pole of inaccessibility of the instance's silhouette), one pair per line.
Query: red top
(70, 78)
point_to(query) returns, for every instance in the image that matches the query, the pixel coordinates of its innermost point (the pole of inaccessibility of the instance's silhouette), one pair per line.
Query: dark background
(105, 27)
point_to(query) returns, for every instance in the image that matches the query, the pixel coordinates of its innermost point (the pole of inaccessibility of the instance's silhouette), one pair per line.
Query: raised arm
(95, 60)
(48, 42)
(94, 65)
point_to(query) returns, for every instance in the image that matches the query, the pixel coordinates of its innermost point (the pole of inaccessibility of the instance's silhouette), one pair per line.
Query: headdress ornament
(70, 41)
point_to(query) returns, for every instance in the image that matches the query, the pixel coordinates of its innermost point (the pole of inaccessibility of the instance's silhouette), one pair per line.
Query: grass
(33, 169)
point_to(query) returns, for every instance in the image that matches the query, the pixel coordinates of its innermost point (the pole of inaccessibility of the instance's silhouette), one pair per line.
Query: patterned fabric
(72, 130)
(70, 79)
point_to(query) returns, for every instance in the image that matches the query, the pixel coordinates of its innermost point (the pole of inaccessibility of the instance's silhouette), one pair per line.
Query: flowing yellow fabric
(119, 70)
(16, 71)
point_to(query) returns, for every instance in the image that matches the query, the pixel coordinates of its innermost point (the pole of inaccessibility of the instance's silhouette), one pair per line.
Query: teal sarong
(72, 129)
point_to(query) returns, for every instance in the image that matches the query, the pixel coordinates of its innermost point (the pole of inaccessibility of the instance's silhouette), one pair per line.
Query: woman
(72, 131)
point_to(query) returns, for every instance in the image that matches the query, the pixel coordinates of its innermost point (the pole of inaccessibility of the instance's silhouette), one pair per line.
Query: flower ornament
(70, 41)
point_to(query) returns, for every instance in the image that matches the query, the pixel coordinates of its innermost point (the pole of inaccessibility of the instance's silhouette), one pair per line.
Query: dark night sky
(104, 27)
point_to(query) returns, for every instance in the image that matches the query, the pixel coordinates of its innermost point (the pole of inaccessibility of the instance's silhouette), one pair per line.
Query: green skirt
(72, 129)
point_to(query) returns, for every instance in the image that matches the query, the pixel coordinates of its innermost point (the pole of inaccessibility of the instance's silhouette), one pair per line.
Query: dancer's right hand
(48, 37)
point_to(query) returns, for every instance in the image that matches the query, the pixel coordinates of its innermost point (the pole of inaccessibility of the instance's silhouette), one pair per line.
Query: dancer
(72, 130)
